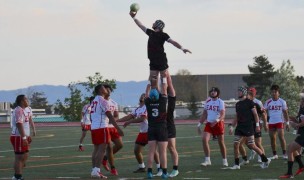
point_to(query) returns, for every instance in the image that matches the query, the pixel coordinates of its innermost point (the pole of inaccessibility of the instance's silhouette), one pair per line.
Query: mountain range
(125, 94)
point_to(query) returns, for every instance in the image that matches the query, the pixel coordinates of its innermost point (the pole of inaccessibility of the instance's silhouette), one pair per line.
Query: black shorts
(158, 67)
(244, 131)
(158, 133)
(171, 131)
(300, 140)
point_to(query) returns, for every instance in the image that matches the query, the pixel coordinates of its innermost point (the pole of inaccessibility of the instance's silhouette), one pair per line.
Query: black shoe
(140, 170)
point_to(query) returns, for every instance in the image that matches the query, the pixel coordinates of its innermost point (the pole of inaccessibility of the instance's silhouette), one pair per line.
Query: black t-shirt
(156, 51)
(244, 112)
(301, 129)
(157, 111)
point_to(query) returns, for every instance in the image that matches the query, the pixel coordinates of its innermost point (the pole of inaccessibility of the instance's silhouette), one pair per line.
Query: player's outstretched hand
(120, 132)
(126, 124)
(132, 14)
(187, 51)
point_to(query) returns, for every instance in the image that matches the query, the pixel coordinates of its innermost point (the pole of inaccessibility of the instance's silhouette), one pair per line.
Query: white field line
(68, 146)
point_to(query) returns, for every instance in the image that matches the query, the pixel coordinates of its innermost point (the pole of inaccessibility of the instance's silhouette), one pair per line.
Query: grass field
(54, 155)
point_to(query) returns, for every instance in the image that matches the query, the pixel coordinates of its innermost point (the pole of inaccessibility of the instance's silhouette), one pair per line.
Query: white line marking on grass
(198, 171)
(6, 178)
(83, 156)
(40, 156)
(188, 172)
(196, 178)
(129, 178)
(2, 156)
(264, 179)
(44, 136)
(67, 177)
(184, 156)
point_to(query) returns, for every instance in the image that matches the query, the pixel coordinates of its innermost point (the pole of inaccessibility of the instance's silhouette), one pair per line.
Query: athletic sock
(175, 167)
(299, 161)
(244, 158)
(290, 164)
(105, 158)
(112, 167)
(164, 170)
(284, 152)
(158, 166)
(274, 153)
(237, 161)
(207, 158)
(18, 176)
(264, 158)
(142, 165)
(150, 170)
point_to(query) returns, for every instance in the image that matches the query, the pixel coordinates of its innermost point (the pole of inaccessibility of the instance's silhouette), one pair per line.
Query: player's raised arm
(137, 22)
(177, 45)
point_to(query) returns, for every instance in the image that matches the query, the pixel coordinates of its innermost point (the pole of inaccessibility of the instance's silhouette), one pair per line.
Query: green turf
(61, 143)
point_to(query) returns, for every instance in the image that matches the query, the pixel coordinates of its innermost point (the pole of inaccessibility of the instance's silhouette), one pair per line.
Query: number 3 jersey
(157, 111)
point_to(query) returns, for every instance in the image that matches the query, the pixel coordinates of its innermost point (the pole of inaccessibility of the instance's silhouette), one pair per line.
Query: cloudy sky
(59, 41)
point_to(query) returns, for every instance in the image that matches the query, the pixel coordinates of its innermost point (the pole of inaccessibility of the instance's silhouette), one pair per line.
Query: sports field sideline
(54, 155)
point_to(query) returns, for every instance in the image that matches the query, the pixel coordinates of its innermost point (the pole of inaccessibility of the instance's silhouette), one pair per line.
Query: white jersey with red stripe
(275, 110)
(99, 107)
(213, 108)
(86, 117)
(141, 112)
(20, 116)
(255, 100)
(113, 108)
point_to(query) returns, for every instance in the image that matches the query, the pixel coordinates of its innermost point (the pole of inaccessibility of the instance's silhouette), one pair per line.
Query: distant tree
(300, 81)
(185, 84)
(38, 100)
(72, 106)
(183, 72)
(193, 108)
(92, 81)
(289, 87)
(261, 73)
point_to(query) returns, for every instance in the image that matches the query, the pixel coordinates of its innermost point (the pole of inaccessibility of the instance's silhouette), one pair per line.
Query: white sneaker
(225, 163)
(259, 159)
(295, 132)
(252, 155)
(206, 163)
(95, 174)
(244, 163)
(274, 157)
(174, 173)
(235, 167)
(159, 173)
(265, 164)
(285, 156)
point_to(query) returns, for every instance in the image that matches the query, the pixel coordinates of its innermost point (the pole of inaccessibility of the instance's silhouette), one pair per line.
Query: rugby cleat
(149, 175)
(159, 172)
(286, 176)
(244, 163)
(114, 172)
(174, 173)
(299, 171)
(265, 164)
(206, 163)
(140, 170)
(274, 157)
(235, 167)
(105, 165)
